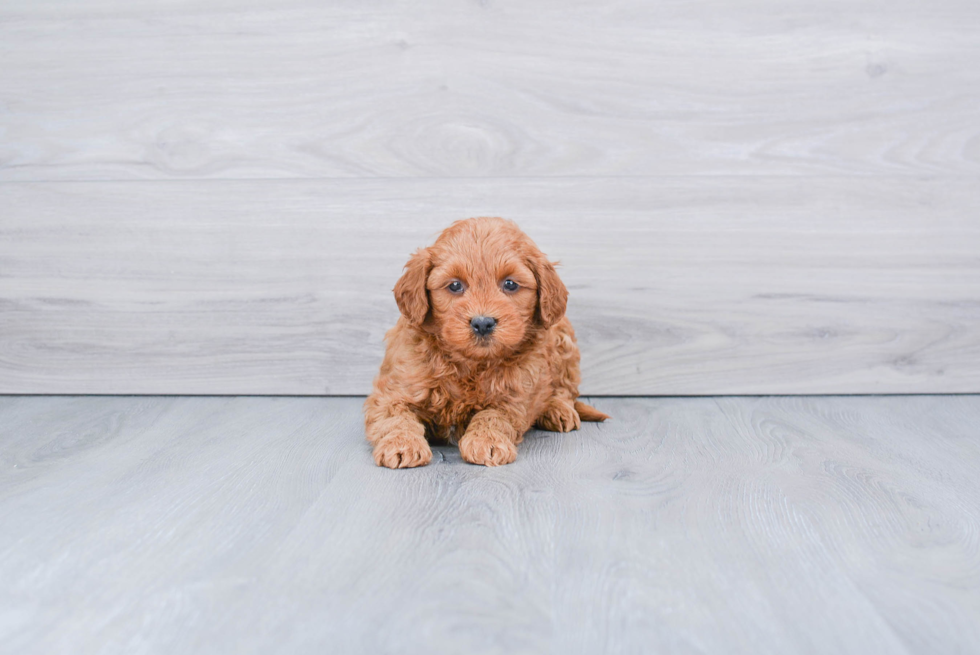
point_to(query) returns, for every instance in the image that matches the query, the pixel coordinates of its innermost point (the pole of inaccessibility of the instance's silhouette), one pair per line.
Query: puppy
(481, 353)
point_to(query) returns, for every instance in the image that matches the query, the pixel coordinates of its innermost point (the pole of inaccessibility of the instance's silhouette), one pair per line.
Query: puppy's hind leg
(560, 416)
(563, 412)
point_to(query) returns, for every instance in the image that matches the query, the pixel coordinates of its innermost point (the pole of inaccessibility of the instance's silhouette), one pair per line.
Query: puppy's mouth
(484, 347)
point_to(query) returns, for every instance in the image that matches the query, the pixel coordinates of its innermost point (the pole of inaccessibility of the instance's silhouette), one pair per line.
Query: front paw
(487, 448)
(400, 451)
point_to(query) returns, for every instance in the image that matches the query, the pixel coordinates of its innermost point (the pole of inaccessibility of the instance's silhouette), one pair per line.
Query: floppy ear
(410, 292)
(552, 294)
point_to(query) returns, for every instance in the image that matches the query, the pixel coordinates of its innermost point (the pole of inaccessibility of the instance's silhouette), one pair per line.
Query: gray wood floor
(748, 196)
(697, 525)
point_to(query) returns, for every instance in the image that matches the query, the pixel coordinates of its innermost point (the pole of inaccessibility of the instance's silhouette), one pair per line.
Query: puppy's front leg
(490, 439)
(397, 435)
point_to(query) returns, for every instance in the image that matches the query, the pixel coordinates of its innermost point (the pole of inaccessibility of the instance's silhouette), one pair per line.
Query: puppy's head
(482, 287)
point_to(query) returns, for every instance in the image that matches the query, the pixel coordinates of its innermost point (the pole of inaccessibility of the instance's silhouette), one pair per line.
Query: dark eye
(455, 286)
(510, 285)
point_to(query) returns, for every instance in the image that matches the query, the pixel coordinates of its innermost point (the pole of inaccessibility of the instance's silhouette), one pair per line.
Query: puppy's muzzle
(483, 325)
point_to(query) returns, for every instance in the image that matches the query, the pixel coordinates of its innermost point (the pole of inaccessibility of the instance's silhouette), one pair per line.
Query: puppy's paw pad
(560, 417)
(397, 451)
(487, 449)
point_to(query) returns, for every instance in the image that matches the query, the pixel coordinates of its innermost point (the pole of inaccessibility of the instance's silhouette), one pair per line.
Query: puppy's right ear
(410, 292)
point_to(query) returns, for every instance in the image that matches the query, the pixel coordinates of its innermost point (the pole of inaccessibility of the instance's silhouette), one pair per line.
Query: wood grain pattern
(100, 90)
(252, 525)
(678, 285)
(738, 189)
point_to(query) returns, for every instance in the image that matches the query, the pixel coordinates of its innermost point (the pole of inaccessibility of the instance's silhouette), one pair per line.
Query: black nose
(483, 325)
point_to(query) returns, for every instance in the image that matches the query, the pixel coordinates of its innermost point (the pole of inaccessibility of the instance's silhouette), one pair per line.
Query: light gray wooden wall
(748, 196)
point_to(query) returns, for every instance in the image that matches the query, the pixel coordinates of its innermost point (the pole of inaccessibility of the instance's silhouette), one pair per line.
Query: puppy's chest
(458, 397)
(453, 402)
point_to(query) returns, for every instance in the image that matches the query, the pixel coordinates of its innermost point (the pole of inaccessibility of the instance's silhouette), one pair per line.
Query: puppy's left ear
(552, 294)
(410, 292)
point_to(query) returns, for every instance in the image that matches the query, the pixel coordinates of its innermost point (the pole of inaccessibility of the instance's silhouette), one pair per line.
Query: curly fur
(441, 382)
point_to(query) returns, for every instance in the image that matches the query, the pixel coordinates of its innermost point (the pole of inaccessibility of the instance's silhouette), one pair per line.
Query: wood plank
(723, 285)
(214, 89)
(252, 525)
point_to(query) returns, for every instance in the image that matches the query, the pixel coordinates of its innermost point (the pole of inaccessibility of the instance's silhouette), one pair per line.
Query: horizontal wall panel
(101, 90)
(712, 285)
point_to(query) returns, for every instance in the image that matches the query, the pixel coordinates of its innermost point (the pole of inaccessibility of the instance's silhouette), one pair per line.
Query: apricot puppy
(481, 352)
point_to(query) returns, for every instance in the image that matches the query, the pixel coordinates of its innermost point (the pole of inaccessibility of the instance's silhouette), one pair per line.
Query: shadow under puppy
(481, 353)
